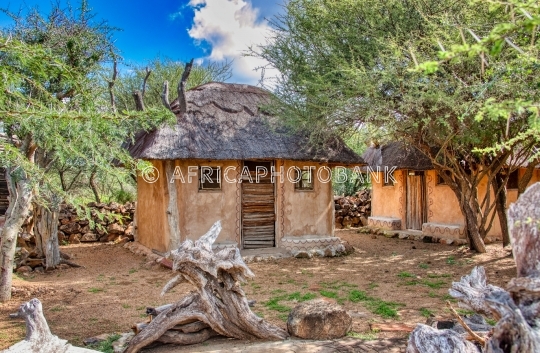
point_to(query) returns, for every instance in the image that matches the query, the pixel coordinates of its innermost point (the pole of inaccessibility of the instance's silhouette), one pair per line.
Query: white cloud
(230, 27)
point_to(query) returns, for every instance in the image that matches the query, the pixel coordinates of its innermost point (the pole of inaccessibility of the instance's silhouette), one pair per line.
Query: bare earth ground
(111, 293)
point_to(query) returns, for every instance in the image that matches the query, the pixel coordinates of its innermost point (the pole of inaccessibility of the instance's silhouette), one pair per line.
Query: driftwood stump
(39, 338)
(516, 308)
(218, 304)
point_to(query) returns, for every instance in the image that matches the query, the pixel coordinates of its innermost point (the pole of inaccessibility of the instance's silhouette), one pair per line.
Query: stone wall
(113, 222)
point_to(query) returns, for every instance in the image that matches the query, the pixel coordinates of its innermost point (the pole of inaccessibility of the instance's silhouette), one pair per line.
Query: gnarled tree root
(219, 302)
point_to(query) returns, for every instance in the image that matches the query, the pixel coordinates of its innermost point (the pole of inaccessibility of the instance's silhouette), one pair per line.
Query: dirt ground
(114, 288)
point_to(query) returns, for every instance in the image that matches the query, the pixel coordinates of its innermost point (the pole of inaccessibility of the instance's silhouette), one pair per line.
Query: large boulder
(318, 319)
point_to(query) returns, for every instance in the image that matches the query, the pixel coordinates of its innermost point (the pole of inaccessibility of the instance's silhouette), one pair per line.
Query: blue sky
(181, 29)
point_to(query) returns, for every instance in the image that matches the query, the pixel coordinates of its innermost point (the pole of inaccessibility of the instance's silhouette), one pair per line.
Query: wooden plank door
(258, 209)
(416, 200)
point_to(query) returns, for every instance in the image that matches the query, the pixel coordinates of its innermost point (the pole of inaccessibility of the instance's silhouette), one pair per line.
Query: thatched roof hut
(397, 154)
(226, 121)
(223, 129)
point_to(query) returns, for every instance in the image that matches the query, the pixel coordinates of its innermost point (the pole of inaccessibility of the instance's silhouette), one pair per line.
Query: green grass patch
(432, 294)
(373, 285)
(423, 266)
(57, 308)
(336, 285)
(450, 260)
(366, 336)
(375, 305)
(491, 322)
(405, 274)
(426, 312)
(411, 283)
(259, 314)
(449, 298)
(273, 304)
(329, 294)
(434, 284)
(132, 270)
(277, 291)
(301, 298)
(126, 306)
(95, 290)
(106, 346)
(283, 317)
(434, 275)
(465, 312)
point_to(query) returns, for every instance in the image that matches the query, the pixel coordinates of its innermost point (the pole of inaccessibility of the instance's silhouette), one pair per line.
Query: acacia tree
(148, 80)
(36, 120)
(424, 72)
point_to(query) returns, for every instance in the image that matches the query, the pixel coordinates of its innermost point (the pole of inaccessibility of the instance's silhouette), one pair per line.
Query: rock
(318, 320)
(85, 229)
(349, 249)
(122, 240)
(96, 339)
(302, 255)
(120, 344)
(130, 231)
(61, 237)
(24, 269)
(403, 236)
(75, 239)
(115, 228)
(87, 237)
(39, 269)
(104, 238)
(347, 222)
(71, 228)
(364, 221)
(446, 241)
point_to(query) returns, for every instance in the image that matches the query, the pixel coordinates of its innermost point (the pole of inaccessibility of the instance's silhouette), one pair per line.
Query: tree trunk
(500, 205)
(173, 213)
(46, 233)
(473, 232)
(20, 193)
(526, 178)
(93, 186)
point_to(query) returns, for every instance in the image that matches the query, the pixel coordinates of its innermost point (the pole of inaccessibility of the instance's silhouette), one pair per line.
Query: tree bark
(46, 233)
(20, 193)
(500, 205)
(526, 178)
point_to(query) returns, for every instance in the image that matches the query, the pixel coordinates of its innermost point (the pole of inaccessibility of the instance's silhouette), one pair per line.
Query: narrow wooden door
(258, 208)
(416, 200)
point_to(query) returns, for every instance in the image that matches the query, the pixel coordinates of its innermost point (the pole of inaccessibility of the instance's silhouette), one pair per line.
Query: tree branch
(182, 103)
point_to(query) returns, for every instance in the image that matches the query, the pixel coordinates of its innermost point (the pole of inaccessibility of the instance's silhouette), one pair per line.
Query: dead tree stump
(39, 338)
(516, 308)
(218, 300)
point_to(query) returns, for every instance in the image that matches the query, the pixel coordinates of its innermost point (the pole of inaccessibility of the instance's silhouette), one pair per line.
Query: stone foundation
(447, 231)
(315, 245)
(388, 223)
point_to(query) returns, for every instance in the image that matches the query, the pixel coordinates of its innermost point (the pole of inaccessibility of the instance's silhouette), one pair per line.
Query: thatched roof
(397, 154)
(224, 121)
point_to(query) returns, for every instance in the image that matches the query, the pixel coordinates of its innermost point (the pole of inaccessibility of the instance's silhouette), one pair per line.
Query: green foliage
(329, 294)
(51, 98)
(426, 312)
(106, 346)
(458, 80)
(405, 274)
